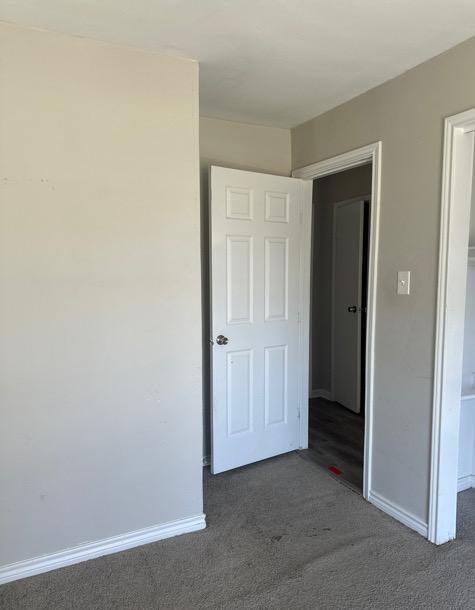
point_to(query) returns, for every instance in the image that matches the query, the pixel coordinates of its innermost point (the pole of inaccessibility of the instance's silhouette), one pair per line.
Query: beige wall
(472, 214)
(327, 191)
(100, 357)
(407, 114)
(240, 146)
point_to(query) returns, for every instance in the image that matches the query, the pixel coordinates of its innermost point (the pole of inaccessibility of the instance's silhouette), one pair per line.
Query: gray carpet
(281, 534)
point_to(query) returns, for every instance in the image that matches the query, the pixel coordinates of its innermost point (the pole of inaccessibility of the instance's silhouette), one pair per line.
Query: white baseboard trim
(399, 513)
(466, 482)
(321, 394)
(107, 546)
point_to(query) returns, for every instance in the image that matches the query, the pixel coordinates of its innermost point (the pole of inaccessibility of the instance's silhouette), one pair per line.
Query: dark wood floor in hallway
(336, 440)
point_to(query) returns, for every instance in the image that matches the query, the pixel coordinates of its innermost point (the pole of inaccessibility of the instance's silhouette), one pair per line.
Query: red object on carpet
(335, 470)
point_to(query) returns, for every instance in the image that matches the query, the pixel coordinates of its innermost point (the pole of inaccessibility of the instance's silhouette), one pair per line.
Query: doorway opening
(368, 157)
(260, 240)
(453, 430)
(341, 208)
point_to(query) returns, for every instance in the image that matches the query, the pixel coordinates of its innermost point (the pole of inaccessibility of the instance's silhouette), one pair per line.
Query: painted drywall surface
(240, 146)
(473, 449)
(466, 465)
(326, 192)
(243, 146)
(467, 407)
(407, 114)
(100, 358)
(468, 372)
(472, 214)
(466, 439)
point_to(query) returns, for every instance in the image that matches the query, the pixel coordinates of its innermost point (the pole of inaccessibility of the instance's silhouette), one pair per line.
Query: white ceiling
(271, 62)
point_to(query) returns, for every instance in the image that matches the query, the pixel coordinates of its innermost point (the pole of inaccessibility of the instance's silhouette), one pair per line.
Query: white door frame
(450, 318)
(372, 153)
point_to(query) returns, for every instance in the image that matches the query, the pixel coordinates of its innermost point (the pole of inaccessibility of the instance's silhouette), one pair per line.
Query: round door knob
(221, 340)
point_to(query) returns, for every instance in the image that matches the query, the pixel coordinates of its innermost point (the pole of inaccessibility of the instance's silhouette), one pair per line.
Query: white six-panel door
(256, 258)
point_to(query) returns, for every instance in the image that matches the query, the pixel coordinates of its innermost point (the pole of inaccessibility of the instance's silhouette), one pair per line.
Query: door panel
(239, 381)
(276, 384)
(347, 303)
(256, 237)
(240, 263)
(276, 270)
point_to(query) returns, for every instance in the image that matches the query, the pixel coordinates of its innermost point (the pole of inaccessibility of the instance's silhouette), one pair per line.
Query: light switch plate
(404, 282)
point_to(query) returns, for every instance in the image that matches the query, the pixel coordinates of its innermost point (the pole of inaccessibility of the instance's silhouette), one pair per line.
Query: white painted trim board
(107, 546)
(466, 482)
(321, 394)
(398, 513)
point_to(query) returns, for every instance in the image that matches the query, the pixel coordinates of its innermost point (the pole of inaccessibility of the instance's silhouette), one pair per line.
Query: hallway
(336, 440)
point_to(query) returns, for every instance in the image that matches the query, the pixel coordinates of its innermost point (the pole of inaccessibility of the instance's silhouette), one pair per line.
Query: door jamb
(372, 153)
(450, 317)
